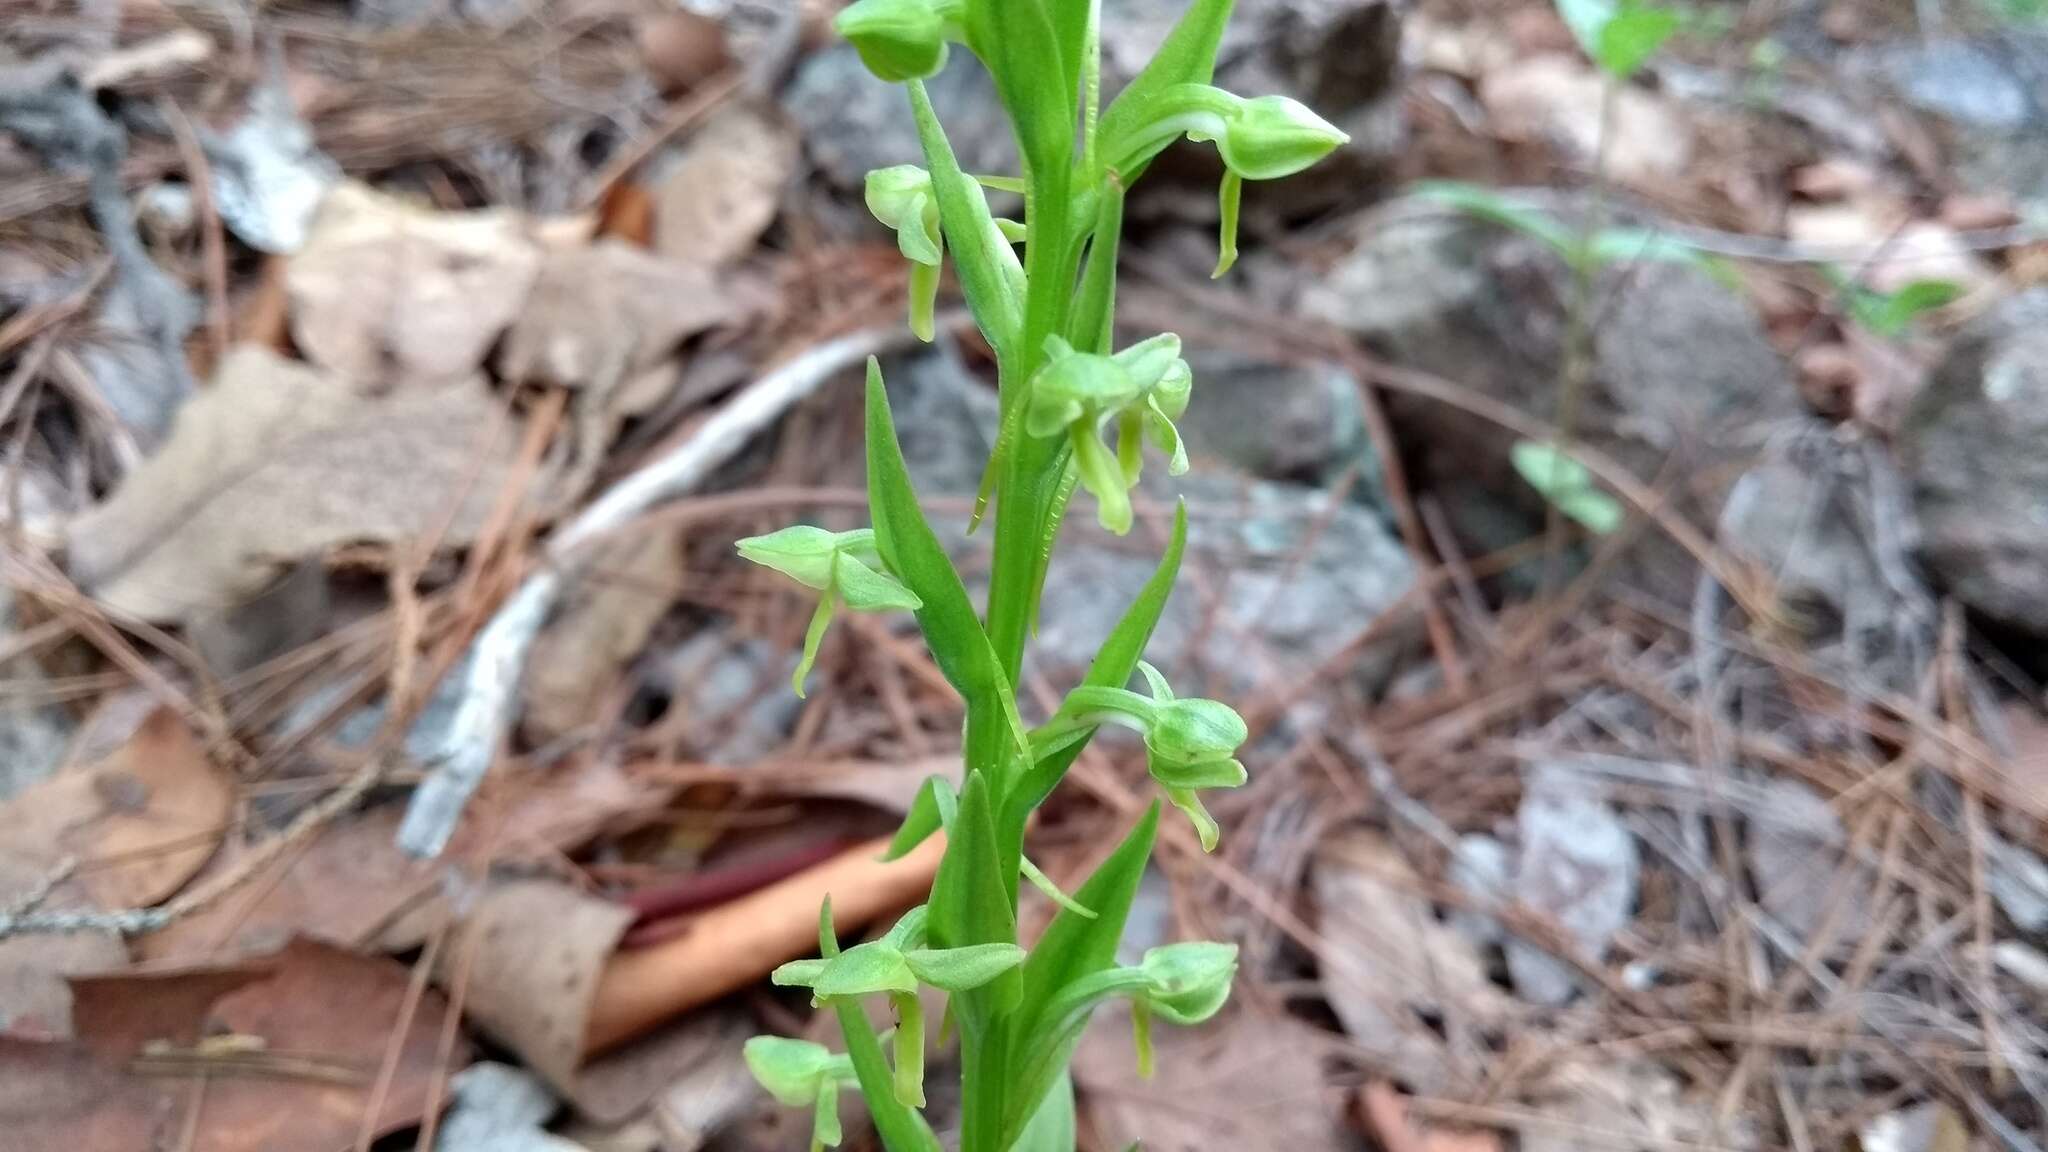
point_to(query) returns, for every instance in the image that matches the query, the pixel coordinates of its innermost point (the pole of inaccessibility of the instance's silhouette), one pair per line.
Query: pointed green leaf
(1051, 1128)
(1036, 76)
(963, 969)
(911, 550)
(1073, 945)
(923, 819)
(970, 901)
(980, 254)
(1072, 948)
(1090, 328)
(1567, 484)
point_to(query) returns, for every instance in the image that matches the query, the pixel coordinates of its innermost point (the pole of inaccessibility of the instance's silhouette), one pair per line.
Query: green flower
(1190, 744)
(843, 566)
(1141, 390)
(801, 1074)
(900, 40)
(894, 966)
(901, 198)
(1183, 984)
(1265, 138)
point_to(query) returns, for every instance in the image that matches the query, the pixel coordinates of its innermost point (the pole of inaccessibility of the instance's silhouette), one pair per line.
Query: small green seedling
(1619, 35)
(1892, 314)
(1078, 413)
(1567, 485)
(1581, 252)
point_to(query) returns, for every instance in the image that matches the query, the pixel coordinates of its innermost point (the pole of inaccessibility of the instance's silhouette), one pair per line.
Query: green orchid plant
(1077, 412)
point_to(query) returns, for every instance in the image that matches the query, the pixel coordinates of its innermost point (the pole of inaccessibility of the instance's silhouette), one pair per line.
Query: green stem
(901, 1129)
(983, 1079)
(1575, 366)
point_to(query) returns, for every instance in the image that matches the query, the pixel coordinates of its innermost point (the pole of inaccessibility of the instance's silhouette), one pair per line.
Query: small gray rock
(1989, 95)
(1481, 867)
(853, 123)
(1576, 865)
(716, 678)
(1303, 423)
(499, 1108)
(1795, 848)
(1295, 575)
(1974, 444)
(1824, 515)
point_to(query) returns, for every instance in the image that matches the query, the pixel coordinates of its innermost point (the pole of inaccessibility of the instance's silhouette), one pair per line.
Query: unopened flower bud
(1275, 136)
(897, 39)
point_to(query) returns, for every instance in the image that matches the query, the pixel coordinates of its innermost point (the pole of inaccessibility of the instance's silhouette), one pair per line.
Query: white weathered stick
(499, 654)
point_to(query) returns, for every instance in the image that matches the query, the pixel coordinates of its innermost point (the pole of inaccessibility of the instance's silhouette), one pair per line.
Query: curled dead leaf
(277, 462)
(137, 824)
(388, 293)
(712, 206)
(535, 951)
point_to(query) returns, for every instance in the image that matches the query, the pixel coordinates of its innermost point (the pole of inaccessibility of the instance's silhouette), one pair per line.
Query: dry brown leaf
(693, 1065)
(535, 951)
(1244, 1080)
(277, 462)
(604, 311)
(1555, 99)
(1390, 961)
(318, 1022)
(712, 206)
(347, 883)
(387, 293)
(62, 1097)
(118, 1014)
(138, 824)
(543, 814)
(323, 999)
